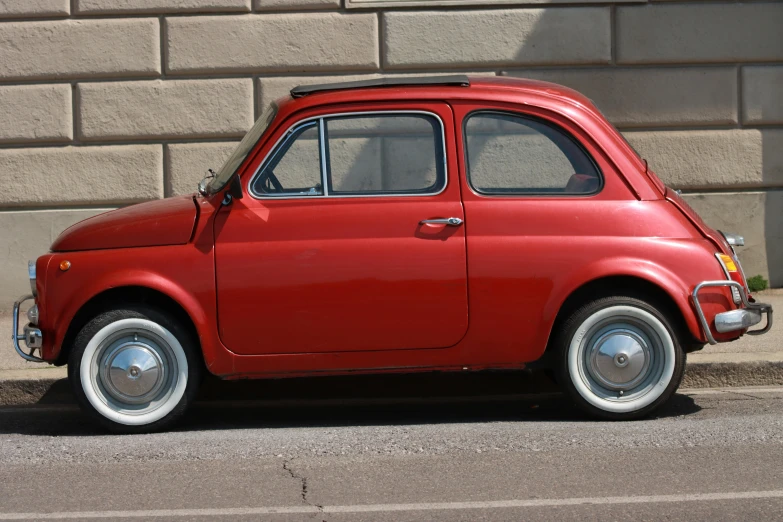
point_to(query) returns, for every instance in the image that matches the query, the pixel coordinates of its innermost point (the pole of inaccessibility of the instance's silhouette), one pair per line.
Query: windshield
(243, 149)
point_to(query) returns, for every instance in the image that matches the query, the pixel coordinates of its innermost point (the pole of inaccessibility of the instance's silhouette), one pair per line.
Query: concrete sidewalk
(750, 361)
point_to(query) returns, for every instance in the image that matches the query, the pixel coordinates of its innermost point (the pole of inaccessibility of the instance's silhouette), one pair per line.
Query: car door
(540, 200)
(330, 249)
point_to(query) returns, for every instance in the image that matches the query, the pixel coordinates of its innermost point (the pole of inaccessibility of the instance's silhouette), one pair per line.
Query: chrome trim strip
(16, 336)
(739, 267)
(269, 155)
(322, 151)
(760, 307)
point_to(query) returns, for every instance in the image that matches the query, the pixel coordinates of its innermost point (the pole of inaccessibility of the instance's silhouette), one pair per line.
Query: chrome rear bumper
(733, 320)
(739, 319)
(31, 335)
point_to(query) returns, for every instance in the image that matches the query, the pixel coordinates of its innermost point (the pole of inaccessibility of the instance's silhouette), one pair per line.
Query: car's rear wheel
(134, 369)
(619, 357)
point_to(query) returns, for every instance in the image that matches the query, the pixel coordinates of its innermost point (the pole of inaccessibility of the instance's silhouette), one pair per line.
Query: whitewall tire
(620, 357)
(134, 369)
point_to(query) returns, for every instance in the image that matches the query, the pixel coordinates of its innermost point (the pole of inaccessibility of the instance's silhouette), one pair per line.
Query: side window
(294, 169)
(384, 154)
(509, 154)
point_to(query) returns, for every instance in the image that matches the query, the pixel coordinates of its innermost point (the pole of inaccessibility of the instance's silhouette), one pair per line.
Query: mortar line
(162, 44)
(740, 94)
(256, 96)
(75, 115)
(613, 34)
(381, 33)
(227, 11)
(167, 189)
(509, 69)
(153, 140)
(199, 139)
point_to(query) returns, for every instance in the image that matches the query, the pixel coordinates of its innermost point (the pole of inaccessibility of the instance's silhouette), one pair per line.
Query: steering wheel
(276, 186)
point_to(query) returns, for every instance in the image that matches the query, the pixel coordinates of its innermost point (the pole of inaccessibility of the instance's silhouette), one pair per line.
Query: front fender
(183, 273)
(137, 278)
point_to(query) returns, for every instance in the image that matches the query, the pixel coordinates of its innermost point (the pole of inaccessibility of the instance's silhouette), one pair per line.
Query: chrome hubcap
(132, 369)
(619, 358)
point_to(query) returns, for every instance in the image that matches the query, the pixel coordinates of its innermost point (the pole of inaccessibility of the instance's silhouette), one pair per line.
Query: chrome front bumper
(733, 320)
(31, 335)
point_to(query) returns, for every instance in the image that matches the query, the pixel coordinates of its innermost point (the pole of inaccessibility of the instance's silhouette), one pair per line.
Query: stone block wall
(105, 103)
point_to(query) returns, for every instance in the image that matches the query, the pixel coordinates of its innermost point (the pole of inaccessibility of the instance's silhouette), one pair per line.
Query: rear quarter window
(514, 154)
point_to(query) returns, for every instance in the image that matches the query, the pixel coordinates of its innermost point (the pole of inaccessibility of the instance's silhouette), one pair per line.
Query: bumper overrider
(733, 320)
(31, 335)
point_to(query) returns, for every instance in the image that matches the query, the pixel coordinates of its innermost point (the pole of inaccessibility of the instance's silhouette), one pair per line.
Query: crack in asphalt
(303, 480)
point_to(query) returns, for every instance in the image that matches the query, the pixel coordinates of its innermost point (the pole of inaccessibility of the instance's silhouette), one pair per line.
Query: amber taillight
(733, 272)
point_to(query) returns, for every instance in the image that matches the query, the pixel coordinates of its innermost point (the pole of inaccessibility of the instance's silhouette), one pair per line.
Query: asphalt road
(710, 455)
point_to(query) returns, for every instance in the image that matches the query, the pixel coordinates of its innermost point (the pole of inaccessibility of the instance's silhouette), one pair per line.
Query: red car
(395, 225)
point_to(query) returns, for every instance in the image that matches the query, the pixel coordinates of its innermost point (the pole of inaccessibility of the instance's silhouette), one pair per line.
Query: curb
(50, 387)
(732, 374)
(19, 392)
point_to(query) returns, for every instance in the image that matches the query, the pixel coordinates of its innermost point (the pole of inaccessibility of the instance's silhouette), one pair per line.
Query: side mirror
(202, 186)
(205, 181)
(235, 188)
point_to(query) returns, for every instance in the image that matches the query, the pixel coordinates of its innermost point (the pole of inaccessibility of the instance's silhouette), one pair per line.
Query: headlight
(31, 275)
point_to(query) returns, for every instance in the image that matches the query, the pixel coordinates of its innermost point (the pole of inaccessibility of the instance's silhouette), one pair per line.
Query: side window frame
(282, 145)
(279, 151)
(532, 193)
(441, 160)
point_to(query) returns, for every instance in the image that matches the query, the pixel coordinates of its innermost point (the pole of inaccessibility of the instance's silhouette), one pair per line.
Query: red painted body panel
(391, 283)
(164, 222)
(343, 274)
(300, 286)
(183, 272)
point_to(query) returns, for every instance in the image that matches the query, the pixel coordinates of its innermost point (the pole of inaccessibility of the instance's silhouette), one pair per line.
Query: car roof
(442, 87)
(503, 89)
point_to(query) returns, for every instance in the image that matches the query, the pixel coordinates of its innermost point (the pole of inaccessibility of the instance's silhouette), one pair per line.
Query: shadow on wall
(756, 213)
(772, 162)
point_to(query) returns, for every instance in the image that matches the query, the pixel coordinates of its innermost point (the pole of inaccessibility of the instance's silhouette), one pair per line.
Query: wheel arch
(659, 291)
(129, 294)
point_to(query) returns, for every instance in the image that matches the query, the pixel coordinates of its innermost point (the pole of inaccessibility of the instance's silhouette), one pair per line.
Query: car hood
(163, 222)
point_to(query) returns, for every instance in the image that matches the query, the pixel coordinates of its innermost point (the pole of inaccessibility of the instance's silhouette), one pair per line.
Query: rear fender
(644, 269)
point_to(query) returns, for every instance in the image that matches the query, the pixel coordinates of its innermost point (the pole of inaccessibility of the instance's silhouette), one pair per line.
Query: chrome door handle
(452, 221)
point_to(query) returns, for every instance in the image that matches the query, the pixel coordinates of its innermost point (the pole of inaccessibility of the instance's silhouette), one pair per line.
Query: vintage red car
(395, 225)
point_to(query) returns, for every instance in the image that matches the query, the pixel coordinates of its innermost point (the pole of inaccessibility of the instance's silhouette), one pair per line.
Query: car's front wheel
(619, 357)
(134, 369)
